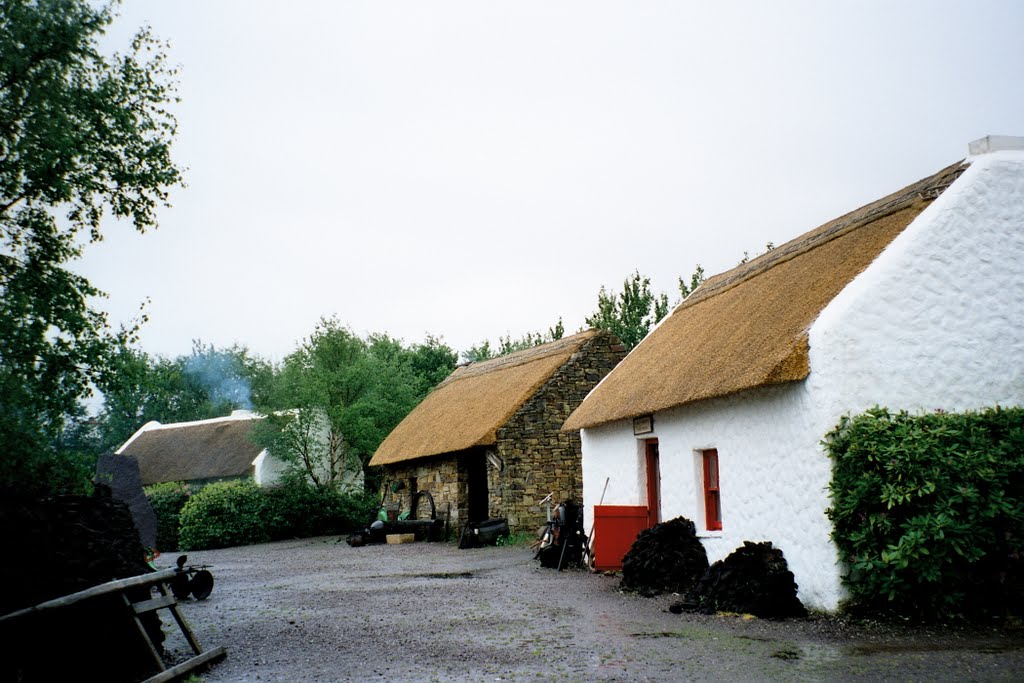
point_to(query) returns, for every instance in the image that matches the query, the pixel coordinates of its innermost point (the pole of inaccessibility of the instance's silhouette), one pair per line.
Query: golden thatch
(476, 400)
(747, 327)
(209, 449)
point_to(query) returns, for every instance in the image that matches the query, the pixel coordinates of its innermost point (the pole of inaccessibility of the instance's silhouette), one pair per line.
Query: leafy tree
(631, 313)
(477, 352)
(696, 280)
(80, 134)
(507, 345)
(333, 400)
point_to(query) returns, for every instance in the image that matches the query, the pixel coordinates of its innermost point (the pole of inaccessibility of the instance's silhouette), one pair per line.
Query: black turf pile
(754, 579)
(55, 547)
(667, 558)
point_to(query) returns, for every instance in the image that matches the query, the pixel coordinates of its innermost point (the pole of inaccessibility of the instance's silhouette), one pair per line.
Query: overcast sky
(475, 169)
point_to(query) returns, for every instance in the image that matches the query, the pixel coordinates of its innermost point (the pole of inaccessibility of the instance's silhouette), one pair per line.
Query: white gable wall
(934, 322)
(267, 469)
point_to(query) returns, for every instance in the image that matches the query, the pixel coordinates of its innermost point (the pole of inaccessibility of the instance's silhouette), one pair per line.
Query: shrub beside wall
(167, 500)
(240, 513)
(224, 514)
(928, 511)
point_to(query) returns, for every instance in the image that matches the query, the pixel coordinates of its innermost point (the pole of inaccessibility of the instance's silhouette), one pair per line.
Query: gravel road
(318, 610)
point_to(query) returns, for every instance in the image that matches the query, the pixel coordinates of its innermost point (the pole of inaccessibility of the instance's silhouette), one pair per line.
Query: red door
(653, 483)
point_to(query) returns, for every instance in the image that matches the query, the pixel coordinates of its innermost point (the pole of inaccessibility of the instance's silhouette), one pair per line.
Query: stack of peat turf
(754, 579)
(667, 558)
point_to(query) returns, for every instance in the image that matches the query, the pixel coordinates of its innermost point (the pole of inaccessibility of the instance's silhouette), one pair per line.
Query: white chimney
(995, 143)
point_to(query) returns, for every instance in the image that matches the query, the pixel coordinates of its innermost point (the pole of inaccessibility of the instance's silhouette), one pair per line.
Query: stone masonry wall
(536, 457)
(441, 476)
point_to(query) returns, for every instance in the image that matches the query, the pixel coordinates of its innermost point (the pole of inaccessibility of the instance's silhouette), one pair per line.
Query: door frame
(652, 461)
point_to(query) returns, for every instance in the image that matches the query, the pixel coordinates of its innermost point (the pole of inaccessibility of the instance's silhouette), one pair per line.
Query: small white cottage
(912, 302)
(216, 449)
(202, 451)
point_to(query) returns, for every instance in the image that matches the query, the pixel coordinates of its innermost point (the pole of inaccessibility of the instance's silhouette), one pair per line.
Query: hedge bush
(225, 514)
(299, 510)
(167, 499)
(928, 511)
(241, 513)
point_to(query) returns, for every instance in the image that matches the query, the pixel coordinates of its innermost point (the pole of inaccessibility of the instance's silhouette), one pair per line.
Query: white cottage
(914, 302)
(202, 451)
(216, 449)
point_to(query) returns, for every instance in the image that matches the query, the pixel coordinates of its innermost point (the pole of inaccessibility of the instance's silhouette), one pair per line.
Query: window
(712, 501)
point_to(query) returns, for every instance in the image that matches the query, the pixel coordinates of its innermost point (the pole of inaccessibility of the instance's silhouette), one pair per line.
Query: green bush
(225, 514)
(298, 510)
(241, 513)
(928, 510)
(167, 500)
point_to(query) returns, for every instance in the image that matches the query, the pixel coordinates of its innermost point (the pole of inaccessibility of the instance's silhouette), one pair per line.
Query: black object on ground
(563, 541)
(58, 546)
(667, 558)
(754, 579)
(195, 580)
(486, 532)
(432, 529)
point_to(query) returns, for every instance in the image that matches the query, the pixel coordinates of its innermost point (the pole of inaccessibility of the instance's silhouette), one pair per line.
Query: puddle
(445, 575)
(898, 648)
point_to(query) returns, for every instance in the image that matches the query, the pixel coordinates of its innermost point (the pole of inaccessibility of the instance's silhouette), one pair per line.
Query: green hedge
(928, 511)
(167, 499)
(241, 513)
(300, 510)
(224, 514)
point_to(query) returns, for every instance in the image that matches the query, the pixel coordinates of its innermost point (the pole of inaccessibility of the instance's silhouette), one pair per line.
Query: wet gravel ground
(318, 610)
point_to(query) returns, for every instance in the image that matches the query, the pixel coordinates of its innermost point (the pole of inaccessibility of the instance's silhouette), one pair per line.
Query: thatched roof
(747, 327)
(476, 400)
(189, 451)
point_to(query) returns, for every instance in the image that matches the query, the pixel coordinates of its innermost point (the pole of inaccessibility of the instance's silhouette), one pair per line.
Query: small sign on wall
(643, 425)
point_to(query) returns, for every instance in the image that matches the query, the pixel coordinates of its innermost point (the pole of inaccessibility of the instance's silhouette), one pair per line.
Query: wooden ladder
(165, 600)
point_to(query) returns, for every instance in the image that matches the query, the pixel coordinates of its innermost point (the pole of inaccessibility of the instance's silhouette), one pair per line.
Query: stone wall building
(487, 442)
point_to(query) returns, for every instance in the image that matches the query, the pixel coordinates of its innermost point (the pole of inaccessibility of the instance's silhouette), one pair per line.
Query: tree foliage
(209, 382)
(928, 510)
(507, 345)
(629, 314)
(80, 135)
(333, 400)
(696, 280)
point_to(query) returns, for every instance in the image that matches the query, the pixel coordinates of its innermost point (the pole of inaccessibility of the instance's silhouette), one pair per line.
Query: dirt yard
(318, 610)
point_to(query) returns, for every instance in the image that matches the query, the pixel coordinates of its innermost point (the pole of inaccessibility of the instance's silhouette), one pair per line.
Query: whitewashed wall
(267, 469)
(772, 477)
(938, 319)
(935, 322)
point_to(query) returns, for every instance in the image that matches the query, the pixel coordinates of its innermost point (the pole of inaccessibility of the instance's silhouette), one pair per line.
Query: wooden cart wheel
(201, 584)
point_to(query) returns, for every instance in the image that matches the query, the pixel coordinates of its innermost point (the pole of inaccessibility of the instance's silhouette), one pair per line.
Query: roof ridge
(198, 423)
(927, 190)
(522, 357)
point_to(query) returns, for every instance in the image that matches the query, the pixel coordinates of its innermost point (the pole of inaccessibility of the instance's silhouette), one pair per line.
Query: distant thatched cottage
(203, 451)
(912, 302)
(487, 441)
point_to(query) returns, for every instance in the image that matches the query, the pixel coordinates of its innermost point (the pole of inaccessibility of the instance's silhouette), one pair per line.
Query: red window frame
(712, 499)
